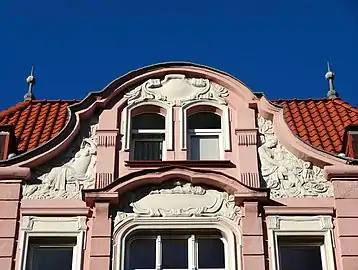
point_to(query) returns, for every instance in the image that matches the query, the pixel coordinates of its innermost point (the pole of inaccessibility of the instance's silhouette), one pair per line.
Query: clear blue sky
(279, 47)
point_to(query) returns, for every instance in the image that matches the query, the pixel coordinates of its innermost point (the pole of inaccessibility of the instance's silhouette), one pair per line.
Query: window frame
(192, 246)
(230, 231)
(225, 123)
(303, 227)
(53, 227)
(30, 251)
(129, 112)
(148, 132)
(205, 132)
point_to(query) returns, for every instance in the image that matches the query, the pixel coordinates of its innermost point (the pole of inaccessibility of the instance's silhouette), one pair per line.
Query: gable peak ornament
(177, 89)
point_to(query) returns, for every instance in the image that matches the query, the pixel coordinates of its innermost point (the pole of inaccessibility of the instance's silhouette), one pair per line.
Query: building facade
(178, 166)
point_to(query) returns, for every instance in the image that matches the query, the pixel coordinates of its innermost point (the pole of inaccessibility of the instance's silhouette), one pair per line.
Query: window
(300, 242)
(204, 136)
(54, 243)
(296, 253)
(50, 253)
(5, 144)
(175, 250)
(148, 137)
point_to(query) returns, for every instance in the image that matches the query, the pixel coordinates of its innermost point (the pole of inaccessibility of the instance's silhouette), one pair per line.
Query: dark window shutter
(3, 139)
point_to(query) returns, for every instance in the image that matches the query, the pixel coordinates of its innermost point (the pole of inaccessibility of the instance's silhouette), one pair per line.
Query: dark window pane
(211, 253)
(148, 121)
(300, 257)
(204, 120)
(175, 253)
(2, 146)
(148, 150)
(54, 258)
(142, 254)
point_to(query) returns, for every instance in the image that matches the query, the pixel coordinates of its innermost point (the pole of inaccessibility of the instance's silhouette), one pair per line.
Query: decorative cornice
(43, 209)
(287, 210)
(321, 223)
(16, 173)
(78, 223)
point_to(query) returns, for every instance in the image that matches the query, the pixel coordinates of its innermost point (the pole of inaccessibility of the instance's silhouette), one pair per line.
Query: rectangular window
(300, 242)
(4, 144)
(297, 253)
(147, 147)
(204, 147)
(175, 251)
(50, 253)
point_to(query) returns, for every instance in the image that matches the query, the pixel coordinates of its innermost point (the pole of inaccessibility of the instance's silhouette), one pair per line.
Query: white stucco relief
(176, 89)
(179, 199)
(285, 174)
(69, 174)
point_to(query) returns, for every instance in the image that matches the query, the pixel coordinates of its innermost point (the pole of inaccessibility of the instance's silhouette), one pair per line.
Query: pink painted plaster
(114, 178)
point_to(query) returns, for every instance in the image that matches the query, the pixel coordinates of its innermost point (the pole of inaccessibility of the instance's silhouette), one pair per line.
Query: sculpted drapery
(66, 181)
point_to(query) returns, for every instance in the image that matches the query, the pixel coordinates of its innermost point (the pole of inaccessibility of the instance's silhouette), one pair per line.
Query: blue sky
(278, 47)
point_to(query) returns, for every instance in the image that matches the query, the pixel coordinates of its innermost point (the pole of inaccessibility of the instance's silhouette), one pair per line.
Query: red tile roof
(35, 122)
(320, 122)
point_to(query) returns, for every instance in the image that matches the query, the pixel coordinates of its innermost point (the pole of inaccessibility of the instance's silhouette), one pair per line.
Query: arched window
(204, 136)
(176, 249)
(148, 136)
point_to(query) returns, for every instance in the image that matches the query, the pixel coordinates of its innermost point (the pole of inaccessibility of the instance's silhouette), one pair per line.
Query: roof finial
(31, 82)
(330, 78)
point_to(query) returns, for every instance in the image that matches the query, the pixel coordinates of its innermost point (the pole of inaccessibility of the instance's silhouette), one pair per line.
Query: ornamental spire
(330, 78)
(31, 82)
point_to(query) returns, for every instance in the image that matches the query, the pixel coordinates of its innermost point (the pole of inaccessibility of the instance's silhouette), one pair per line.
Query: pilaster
(247, 154)
(252, 240)
(106, 157)
(101, 229)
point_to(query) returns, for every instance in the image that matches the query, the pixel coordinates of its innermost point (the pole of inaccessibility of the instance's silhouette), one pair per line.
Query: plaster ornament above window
(285, 174)
(176, 89)
(66, 178)
(179, 199)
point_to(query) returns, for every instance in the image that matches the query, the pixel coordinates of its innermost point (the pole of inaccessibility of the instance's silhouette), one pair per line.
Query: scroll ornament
(176, 89)
(182, 200)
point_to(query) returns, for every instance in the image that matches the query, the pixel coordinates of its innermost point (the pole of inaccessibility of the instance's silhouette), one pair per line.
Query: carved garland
(285, 174)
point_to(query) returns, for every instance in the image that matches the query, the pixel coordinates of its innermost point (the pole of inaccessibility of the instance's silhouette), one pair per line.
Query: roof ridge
(23, 104)
(14, 108)
(346, 105)
(303, 99)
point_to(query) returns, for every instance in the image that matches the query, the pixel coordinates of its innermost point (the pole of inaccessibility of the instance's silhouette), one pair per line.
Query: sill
(184, 163)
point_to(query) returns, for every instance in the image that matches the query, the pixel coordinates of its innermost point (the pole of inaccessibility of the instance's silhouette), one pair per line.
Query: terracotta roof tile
(319, 122)
(35, 122)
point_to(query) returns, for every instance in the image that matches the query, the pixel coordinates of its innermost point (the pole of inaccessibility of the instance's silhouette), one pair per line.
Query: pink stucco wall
(241, 180)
